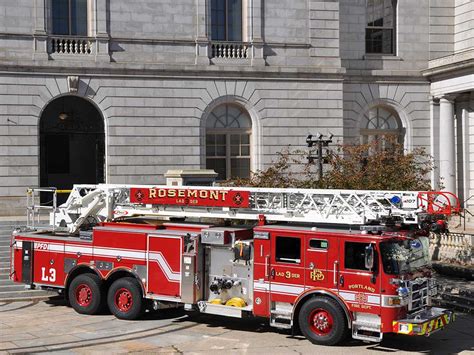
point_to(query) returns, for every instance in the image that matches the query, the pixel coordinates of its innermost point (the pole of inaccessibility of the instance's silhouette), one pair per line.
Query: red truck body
(325, 281)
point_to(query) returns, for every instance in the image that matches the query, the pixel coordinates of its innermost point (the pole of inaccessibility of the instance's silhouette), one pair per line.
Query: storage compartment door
(164, 265)
(27, 263)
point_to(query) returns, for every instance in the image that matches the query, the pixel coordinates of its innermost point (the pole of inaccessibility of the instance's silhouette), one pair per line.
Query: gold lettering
(214, 195)
(161, 193)
(180, 193)
(171, 193)
(202, 193)
(152, 193)
(316, 275)
(361, 287)
(192, 193)
(223, 193)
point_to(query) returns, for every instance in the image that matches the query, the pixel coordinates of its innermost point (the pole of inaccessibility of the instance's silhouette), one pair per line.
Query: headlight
(394, 301)
(403, 328)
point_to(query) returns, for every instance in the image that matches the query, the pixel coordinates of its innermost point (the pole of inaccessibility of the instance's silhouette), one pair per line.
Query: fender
(322, 292)
(114, 275)
(76, 270)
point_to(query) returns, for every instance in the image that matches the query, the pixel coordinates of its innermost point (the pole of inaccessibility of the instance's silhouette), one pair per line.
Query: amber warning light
(190, 197)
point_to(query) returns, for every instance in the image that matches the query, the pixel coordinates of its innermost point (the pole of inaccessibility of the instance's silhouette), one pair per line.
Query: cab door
(357, 285)
(286, 267)
(317, 273)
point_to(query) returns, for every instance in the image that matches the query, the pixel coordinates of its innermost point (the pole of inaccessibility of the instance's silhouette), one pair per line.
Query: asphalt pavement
(52, 326)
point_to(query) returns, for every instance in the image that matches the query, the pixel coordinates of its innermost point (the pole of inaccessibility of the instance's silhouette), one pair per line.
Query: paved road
(51, 326)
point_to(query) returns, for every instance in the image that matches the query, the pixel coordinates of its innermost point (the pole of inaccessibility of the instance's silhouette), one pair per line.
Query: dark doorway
(72, 144)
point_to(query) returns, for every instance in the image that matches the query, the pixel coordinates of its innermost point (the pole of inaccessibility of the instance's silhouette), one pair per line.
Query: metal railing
(36, 211)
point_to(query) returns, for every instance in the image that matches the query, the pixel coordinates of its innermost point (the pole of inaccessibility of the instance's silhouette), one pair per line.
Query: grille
(419, 293)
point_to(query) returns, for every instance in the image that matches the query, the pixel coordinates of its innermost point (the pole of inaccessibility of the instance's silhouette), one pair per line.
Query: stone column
(434, 141)
(447, 164)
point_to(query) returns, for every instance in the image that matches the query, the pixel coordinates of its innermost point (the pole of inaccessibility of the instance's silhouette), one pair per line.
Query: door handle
(272, 273)
(311, 266)
(341, 280)
(336, 272)
(267, 265)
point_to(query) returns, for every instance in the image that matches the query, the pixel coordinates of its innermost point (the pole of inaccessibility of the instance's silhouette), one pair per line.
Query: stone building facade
(120, 91)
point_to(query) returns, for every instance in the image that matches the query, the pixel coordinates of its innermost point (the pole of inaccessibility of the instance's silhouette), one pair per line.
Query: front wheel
(322, 321)
(125, 299)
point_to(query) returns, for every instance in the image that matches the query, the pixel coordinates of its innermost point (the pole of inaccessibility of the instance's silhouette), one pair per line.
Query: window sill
(376, 56)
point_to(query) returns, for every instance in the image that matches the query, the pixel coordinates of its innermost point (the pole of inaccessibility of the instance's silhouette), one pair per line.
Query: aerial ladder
(90, 204)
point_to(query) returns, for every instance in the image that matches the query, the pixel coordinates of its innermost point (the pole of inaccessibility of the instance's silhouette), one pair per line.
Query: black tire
(322, 321)
(86, 294)
(125, 299)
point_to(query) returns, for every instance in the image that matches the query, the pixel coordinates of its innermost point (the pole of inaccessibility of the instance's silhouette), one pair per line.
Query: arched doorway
(72, 144)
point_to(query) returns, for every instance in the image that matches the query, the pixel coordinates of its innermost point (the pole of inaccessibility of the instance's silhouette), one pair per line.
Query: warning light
(395, 200)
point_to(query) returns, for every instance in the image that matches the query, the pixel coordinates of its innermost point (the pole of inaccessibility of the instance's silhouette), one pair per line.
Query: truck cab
(376, 282)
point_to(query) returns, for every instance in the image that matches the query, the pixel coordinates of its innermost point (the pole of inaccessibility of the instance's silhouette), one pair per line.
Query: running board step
(367, 334)
(281, 319)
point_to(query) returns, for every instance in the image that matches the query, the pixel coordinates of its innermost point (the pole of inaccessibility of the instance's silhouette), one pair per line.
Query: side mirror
(369, 257)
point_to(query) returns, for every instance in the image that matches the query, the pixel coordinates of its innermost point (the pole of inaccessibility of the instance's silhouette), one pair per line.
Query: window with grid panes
(380, 29)
(228, 131)
(226, 20)
(379, 123)
(69, 17)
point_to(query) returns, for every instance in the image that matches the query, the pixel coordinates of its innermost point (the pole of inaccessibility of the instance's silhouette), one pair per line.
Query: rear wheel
(86, 295)
(322, 321)
(125, 298)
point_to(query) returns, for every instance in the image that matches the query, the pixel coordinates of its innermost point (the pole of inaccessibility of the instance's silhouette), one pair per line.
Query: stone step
(12, 287)
(5, 264)
(4, 243)
(453, 305)
(4, 276)
(36, 298)
(13, 222)
(24, 294)
(4, 256)
(6, 282)
(460, 299)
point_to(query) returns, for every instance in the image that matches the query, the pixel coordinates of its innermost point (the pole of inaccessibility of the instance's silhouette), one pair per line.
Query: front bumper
(424, 322)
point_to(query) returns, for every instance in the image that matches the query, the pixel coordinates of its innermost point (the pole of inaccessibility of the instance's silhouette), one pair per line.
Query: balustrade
(229, 50)
(67, 45)
(451, 247)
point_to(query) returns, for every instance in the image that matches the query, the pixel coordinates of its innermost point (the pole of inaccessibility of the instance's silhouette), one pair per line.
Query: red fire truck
(326, 263)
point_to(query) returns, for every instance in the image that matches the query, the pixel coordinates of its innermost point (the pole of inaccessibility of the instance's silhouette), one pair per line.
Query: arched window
(228, 130)
(378, 123)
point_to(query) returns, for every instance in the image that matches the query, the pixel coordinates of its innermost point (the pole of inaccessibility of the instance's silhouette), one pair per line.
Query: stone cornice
(186, 71)
(450, 65)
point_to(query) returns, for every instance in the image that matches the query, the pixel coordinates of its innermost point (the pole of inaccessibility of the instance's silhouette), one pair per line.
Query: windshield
(401, 256)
